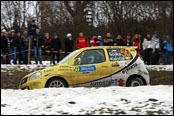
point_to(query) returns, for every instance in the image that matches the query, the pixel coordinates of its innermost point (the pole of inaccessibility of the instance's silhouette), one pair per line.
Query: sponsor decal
(129, 68)
(85, 68)
(85, 72)
(121, 82)
(48, 74)
(114, 51)
(104, 83)
(71, 68)
(48, 70)
(64, 66)
(76, 69)
(123, 63)
(115, 65)
(63, 69)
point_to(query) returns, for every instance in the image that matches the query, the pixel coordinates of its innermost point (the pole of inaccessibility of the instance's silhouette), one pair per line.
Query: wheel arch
(58, 77)
(136, 75)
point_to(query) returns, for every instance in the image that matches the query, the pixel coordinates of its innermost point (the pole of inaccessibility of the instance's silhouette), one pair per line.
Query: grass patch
(155, 112)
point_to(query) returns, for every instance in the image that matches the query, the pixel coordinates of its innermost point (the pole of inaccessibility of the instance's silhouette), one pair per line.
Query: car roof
(109, 47)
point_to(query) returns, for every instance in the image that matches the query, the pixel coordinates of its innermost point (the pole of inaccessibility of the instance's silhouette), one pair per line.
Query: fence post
(29, 50)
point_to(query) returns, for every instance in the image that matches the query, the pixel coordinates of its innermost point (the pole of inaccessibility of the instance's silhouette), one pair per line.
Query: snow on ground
(108, 100)
(46, 64)
(160, 67)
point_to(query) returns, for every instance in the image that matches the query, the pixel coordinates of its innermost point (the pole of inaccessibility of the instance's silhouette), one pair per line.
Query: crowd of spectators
(18, 45)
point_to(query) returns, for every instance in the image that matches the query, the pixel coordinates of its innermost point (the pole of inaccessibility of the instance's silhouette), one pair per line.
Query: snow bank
(46, 64)
(108, 100)
(160, 67)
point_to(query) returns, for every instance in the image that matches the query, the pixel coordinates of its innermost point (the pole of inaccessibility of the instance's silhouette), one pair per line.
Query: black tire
(56, 83)
(135, 81)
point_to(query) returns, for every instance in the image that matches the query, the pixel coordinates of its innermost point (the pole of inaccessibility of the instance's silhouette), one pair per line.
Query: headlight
(35, 75)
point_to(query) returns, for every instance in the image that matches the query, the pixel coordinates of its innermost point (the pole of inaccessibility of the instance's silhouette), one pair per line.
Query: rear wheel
(56, 83)
(135, 81)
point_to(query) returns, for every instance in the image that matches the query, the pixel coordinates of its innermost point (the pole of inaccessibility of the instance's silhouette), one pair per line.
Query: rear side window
(119, 54)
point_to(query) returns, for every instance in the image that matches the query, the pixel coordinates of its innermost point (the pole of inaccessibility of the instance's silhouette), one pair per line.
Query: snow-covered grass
(108, 100)
(160, 67)
(45, 64)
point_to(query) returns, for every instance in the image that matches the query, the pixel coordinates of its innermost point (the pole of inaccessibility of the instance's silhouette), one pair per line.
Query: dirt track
(9, 81)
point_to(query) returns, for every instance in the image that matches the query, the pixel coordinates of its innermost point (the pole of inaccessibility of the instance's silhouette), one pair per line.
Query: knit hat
(69, 35)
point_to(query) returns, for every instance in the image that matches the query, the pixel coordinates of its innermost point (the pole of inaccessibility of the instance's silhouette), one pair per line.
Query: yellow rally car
(92, 67)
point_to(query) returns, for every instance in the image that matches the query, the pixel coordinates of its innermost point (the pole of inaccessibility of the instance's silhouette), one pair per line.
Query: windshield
(68, 57)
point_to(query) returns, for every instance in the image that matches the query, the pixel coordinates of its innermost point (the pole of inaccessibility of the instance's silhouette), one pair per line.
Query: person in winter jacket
(94, 41)
(82, 41)
(157, 48)
(12, 49)
(38, 44)
(55, 47)
(167, 50)
(20, 47)
(4, 47)
(68, 43)
(149, 48)
(127, 41)
(26, 39)
(136, 42)
(118, 41)
(32, 29)
(31, 33)
(4, 42)
(108, 41)
(47, 43)
(100, 40)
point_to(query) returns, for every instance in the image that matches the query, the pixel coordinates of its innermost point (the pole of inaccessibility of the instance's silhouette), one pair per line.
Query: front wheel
(56, 83)
(135, 81)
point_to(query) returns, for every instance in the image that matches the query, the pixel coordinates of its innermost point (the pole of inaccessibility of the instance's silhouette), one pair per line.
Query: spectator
(69, 43)
(167, 50)
(100, 40)
(20, 47)
(157, 48)
(94, 41)
(31, 33)
(108, 41)
(137, 43)
(38, 45)
(26, 39)
(127, 41)
(12, 49)
(55, 47)
(141, 43)
(32, 29)
(118, 41)
(149, 48)
(4, 47)
(82, 41)
(47, 43)
(4, 42)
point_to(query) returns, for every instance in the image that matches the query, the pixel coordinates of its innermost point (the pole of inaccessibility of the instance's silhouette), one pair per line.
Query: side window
(91, 57)
(119, 54)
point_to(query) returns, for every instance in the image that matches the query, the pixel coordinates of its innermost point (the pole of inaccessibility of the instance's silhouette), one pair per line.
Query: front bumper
(32, 84)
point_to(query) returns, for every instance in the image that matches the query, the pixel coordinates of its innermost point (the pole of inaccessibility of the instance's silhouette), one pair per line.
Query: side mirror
(77, 61)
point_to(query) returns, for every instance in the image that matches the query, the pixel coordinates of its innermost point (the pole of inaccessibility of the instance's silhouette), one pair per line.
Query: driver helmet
(90, 59)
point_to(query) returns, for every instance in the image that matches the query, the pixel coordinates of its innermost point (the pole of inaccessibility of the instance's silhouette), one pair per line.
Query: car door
(119, 58)
(92, 66)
